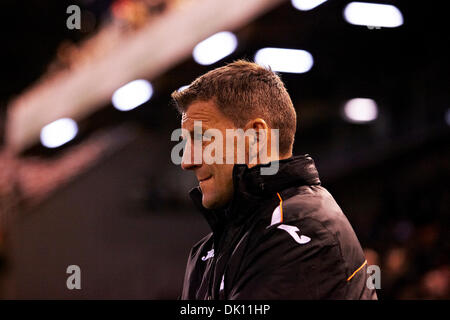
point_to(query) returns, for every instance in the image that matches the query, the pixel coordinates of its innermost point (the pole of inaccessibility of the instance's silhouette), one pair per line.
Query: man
(274, 236)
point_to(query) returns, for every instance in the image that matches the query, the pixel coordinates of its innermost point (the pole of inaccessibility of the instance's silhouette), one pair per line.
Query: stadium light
(305, 5)
(360, 110)
(373, 15)
(132, 95)
(285, 60)
(58, 132)
(215, 48)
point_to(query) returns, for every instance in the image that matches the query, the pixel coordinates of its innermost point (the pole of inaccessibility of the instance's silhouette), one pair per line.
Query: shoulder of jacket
(310, 202)
(311, 209)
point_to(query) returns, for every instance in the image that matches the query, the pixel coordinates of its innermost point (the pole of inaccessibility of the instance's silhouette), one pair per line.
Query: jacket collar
(251, 188)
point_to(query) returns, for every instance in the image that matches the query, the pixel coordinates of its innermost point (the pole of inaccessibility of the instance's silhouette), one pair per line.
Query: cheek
(224, 176)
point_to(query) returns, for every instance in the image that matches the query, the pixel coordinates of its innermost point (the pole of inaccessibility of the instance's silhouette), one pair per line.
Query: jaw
(208, 201)
(217, 190)
(213, 199)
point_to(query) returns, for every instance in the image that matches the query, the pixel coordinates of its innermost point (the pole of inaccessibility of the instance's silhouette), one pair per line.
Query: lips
(204, 179)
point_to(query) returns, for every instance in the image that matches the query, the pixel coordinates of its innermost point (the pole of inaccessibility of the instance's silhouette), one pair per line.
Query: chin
(210, 202)
(213, 202)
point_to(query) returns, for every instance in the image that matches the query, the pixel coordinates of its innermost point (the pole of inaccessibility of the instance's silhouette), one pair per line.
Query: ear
(257, 125)
(258, 139)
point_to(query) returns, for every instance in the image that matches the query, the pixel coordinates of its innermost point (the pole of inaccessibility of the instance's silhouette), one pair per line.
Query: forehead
(205, 111)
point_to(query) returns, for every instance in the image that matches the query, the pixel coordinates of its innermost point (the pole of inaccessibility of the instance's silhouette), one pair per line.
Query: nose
(187, 161)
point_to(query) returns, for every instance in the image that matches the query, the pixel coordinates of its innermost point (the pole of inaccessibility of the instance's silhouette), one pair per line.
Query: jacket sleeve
(294, 260)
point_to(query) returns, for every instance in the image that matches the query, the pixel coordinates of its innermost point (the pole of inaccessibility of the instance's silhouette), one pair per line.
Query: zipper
(220, 245)
(231, 234)
(212, 270)
(211, 278)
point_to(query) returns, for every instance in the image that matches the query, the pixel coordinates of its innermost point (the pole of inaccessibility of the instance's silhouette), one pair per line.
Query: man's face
(215, 180)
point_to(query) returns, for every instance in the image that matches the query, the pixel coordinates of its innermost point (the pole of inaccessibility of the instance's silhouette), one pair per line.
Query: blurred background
(86, 176)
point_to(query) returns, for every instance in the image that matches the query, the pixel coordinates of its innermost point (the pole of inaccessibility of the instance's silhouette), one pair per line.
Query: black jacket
(283, 236)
